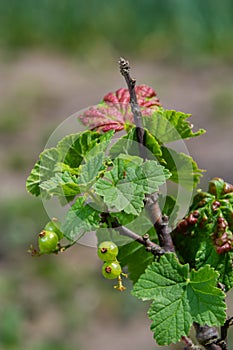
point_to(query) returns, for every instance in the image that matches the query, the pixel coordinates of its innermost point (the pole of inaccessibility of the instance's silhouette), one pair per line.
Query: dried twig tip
(124, 66)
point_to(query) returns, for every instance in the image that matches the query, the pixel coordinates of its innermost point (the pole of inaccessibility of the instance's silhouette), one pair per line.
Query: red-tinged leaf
(145, 96)
(109, 116)
(114, 113)
(145, 91)
(120, 96)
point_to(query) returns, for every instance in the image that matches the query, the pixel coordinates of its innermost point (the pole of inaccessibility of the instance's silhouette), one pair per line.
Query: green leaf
(42, 171)
(118, 192)
(128, 144)
(222, 263)
(179, 298)
(74, 148)
(125, 185)
(205, 299)
(121, 195)
(62, 185)
(151, 175)
(90, 170)
(152, 145)
(100, 145)
(216, 187)
(81, 218)
(170, 319)
(183, 168)
(169, 125)
(62, 167)
(33, 180)
(165, 275)
(70, 152)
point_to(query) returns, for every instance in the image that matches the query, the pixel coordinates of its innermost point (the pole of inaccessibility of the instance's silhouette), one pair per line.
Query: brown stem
(189, 344)
(145, 240)
(208, 337)
(125, 71)
(225, 328)
(159, 221)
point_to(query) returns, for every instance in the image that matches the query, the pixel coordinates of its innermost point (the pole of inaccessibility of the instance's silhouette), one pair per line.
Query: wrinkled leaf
(169, 125)
(125, 185)
(61, 185)
(222, 263)
(81, 218)
(179, 298)
(128, 144)
(183, 168)
(42, 171)
(114, 112)
(89, 171)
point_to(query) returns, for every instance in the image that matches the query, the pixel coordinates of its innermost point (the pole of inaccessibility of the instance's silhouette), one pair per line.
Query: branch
(225, 327)
(189, 344)
(125, 69)
(208, 337)
(152, 247)
(159, 221)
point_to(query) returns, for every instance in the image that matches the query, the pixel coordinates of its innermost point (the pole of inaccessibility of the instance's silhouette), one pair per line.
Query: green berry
(55, 226)
(47, 242)
(107, 251)
(111, 269)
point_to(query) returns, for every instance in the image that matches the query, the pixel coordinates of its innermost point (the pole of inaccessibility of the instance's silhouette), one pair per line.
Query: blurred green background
(149, 29)
(57, 57)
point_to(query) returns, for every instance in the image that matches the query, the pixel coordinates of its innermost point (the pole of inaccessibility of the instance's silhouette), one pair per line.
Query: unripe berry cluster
(48, 239)
(111, 269)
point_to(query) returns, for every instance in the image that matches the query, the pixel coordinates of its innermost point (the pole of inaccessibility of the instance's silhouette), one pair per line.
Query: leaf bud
(224, 248)
(220, 241)
(216, 186)
(227, 188)
(221, 224)
(202, 203)
(192, 218)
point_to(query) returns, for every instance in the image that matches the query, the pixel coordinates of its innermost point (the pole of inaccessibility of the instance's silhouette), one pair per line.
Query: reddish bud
(192, 218)
(220, 241)
(228, 188)
(215, 205)
(220, 220)
(221, 224)
(203, 221)
(182, 226)
(202, 203)
(224, 248)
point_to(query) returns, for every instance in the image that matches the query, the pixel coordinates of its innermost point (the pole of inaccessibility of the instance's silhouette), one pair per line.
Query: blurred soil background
(57, 57)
